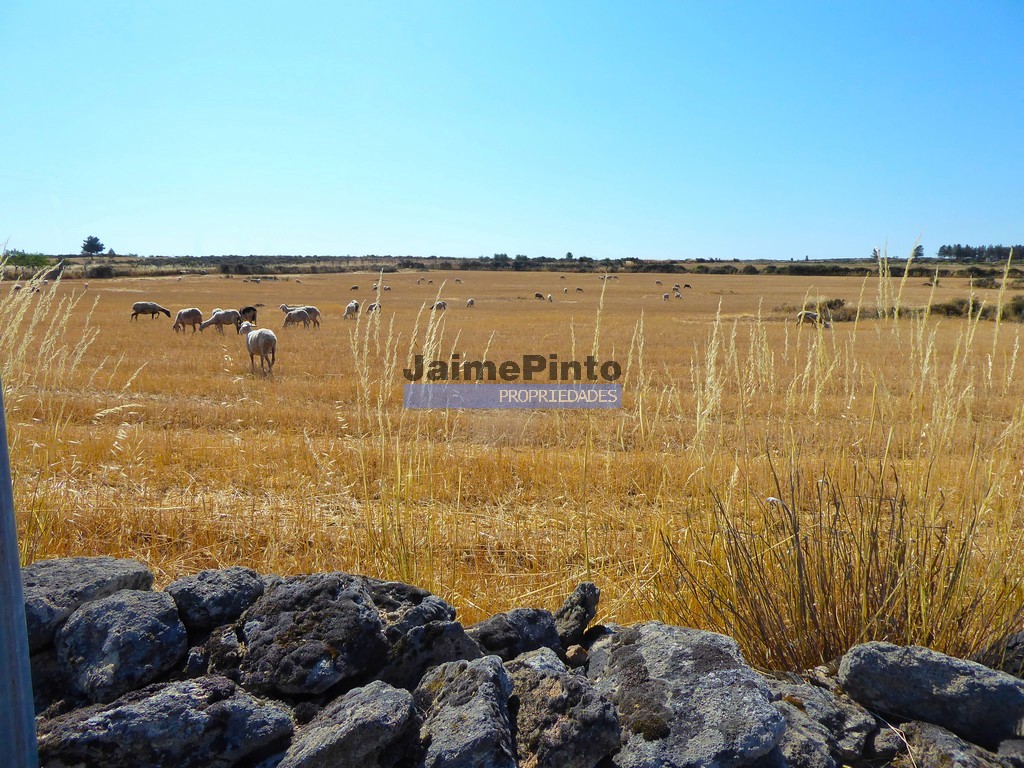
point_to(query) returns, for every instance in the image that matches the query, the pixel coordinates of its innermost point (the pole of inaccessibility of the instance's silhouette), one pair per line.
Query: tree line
(979, 252)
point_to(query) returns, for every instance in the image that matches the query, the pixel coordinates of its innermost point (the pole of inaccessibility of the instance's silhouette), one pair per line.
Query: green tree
(919, 252)
(92, 246)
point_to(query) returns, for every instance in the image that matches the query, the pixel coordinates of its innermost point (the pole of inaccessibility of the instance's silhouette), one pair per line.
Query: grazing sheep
(579, 290)
(812, 318)
(470, 303)
(664, 297)
(86, 287)
(657, 282)
(549, 297)
(192, 316)
(430, 282)
(565, 290)
(374, 307)
(313, 312)
(351, 310)
(354, 288)
(146, 308)
(675, 286)
(222, 317)
(561, 277)
(539, 296)
(248, 313)
(419, 280)
(387, 287)
(687, 285)
(458, 281)
(295, 317)
(297, 281)
(678, 295)
(374, 288)
(440, 305)
(260, 342)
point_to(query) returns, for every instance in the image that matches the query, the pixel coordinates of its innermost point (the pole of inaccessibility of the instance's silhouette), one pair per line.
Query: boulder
(931, 745)
(576, 613)
(310, 634)
(371, 727)
(119, 643)
(976, 703)
(684, 698)
(403, 607)
(54, 589)
(466, 722)
(205, 723)
(561, 720)
(822, 729)
(424, 647)
(507, 635)
(211, 598)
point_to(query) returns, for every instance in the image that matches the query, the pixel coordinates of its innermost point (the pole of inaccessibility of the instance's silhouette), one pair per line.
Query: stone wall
(231, 668)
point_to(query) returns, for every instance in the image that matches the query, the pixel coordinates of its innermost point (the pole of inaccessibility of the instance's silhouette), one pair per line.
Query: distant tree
(568, 256)
(919, 252)
(92, 246)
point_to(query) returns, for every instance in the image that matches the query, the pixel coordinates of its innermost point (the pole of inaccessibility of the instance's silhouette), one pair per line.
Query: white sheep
(664, 297)
(549, 297)
(222, 317)
(150, 308)
(192, 316)
(470, 303)
(313, 312)
(440, 305)
(260, 342)
(295, 317)
(351, 310)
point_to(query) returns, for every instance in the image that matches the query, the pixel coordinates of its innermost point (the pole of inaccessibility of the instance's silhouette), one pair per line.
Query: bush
(100, 271)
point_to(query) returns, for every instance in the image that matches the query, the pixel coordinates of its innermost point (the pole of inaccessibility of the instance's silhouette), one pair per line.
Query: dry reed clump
(897, 437)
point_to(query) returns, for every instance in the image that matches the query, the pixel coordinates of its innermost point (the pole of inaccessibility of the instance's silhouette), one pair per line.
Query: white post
(17, 711)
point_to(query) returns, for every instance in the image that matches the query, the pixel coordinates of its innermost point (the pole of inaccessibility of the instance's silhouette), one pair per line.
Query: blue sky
(647, 129)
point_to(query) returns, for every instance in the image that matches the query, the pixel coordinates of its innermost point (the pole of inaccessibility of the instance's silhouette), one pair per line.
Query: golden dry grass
(894, 446)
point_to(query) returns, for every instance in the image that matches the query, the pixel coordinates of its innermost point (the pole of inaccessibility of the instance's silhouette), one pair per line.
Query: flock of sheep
(263, 341)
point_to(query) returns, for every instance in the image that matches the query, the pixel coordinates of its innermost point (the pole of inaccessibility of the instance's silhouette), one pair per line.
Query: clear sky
(610, 129)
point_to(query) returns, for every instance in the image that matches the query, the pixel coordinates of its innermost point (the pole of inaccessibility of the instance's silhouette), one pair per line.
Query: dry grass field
(799, 488)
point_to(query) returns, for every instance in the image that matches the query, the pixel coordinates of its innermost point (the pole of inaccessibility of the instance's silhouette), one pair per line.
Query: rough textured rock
(371, 727)
(933, 746)
(913, 683)
(1011, 752)
(822, 729)
(119, 643)
(561, 720)
(466, 719)
(576, 613)
(423, 647)
(684, 698)
(310, 634)
(48, 684)
(207, 723)
(211, 598)
(509, 634)
(54, 589)
(403, 607)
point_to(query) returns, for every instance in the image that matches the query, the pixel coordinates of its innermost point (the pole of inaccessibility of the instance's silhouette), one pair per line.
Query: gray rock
(820, 722)
(48, 683)
(576, 613)
(311, 634)
(54, 589)
(561, 721)
(222, 652)
(403, 607)
(509, 634)
(424, 647)
(371, 727)
(203, 723)
(111, 646)
(933, 746)
(211, 598)
(684, 698)
(884, 745)
(1011, 752)
(913, 683)
(466, 719)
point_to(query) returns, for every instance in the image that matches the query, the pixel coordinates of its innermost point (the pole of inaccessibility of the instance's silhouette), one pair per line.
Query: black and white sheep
(351, 310)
